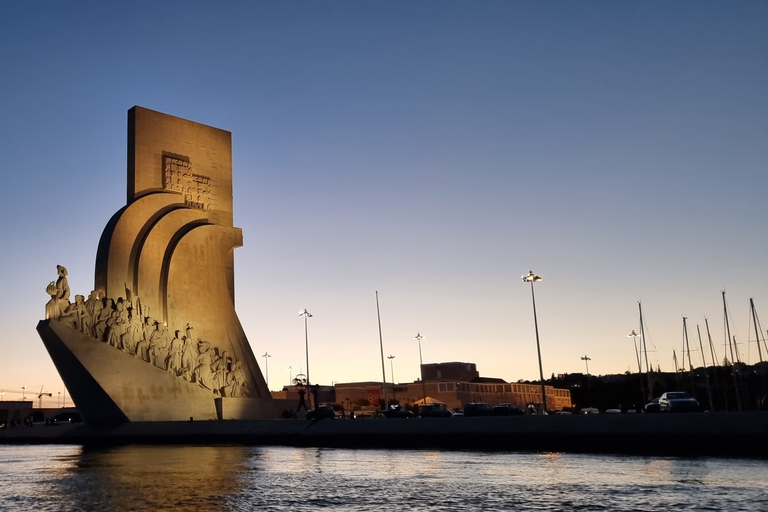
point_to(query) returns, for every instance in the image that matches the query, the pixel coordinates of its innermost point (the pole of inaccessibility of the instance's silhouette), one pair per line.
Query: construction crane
(40, 396)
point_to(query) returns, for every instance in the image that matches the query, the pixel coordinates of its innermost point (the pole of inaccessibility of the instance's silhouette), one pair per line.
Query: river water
(237, 478)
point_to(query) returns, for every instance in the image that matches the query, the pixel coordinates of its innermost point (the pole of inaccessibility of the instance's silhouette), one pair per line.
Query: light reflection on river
(236, 478)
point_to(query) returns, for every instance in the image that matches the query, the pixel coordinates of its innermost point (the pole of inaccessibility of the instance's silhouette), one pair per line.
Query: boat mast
(758, 332)
(645, 351)
(690, 361)
(715, 364)
(706, 370)
(730, 345)
(677, 369)
(381, 346)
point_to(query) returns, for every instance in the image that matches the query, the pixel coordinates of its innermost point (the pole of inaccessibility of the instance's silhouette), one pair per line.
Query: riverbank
(718, 434)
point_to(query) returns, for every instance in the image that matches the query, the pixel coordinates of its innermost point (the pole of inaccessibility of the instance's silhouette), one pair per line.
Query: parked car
(678, 401)
(478, 409)
(322, 412)
(589, 410)
(434, 411)
(613, 411)
(507, 410)
(652, 406)
(397, 411)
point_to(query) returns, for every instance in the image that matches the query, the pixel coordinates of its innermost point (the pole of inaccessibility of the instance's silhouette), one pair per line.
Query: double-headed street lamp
(586, 360)
(306, 314)
(392, 373)
(418, 338)
(532, 278)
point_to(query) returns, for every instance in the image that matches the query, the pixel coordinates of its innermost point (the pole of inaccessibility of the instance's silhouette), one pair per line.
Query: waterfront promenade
(721, 434)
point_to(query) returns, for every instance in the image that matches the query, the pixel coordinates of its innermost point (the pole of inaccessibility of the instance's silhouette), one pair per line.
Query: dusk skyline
(434, 152)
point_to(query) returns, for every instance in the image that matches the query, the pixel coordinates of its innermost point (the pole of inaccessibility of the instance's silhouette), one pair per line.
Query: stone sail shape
(166, 262)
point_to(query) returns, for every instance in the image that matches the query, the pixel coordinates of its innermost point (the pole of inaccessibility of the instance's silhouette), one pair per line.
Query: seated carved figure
(59, 292)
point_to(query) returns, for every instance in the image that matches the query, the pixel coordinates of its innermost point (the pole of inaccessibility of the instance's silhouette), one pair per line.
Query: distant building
(455, 384)
(14, 412)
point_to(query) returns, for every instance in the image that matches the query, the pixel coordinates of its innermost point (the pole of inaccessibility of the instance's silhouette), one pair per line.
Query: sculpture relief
(196, 188)
(128, 327)
(59, 292)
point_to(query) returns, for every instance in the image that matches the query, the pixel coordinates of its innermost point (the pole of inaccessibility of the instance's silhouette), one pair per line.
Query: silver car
(678, 401)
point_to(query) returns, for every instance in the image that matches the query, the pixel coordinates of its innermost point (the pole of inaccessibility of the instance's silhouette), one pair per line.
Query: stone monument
(158, 338)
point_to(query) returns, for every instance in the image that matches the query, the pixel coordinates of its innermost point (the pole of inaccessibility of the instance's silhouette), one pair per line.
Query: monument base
(110, 386)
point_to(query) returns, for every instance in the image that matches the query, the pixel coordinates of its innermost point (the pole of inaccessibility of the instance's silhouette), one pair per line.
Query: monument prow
(159, 337)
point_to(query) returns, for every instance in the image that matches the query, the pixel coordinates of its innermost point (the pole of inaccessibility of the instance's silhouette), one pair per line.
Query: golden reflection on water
(158, 477)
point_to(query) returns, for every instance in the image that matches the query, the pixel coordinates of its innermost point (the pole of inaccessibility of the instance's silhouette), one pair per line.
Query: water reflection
(233, 478)
(151, 478)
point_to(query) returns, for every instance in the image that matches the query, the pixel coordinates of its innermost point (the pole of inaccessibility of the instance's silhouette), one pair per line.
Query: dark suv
(434, 411)
(507, 410)
(478, 409)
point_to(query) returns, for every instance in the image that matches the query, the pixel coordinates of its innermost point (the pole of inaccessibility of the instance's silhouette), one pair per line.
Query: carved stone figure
(133, 334)
(105, 315)
(159, 344)
(118, 325)
(142, 347)
(203, 374)
(174, 357)
(93, 306)
(189, 355)
(240, 389)
(219, 370)
(59, 292)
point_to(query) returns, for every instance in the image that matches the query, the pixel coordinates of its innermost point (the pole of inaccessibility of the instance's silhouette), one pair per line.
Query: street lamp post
(634, 336)
(418, 338)
(306, 314)
(266, 367)
(586, 360)
(532, 278)
(392, 373)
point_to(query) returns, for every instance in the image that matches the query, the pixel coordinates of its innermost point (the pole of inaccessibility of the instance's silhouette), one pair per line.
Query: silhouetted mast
(381, 345)
(706, 370)
(690, 361)
(645, 350)
(758, 331)
(730, 345)
(715, 364)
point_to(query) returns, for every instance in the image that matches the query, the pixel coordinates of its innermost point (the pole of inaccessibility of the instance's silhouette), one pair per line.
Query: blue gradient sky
(434, 151)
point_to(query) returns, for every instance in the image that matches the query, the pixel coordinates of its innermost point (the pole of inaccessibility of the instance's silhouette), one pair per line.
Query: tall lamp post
(532, 278)
(418, 338)
(634, 336)
(586, 360)
(306, 314)
(266, 367)
(392, 373)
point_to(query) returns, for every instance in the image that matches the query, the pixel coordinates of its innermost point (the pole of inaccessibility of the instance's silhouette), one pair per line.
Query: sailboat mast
(733, 367)
(715, 364)
(381, 345)
(728, 331)
(690, 361)
(645, 351)
(757, 330)
(706, 370)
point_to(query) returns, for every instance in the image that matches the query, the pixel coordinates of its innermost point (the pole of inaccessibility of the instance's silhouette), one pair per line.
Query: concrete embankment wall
(722, 434)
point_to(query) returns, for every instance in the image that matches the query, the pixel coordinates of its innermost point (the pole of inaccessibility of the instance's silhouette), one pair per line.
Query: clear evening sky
(434, 151)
